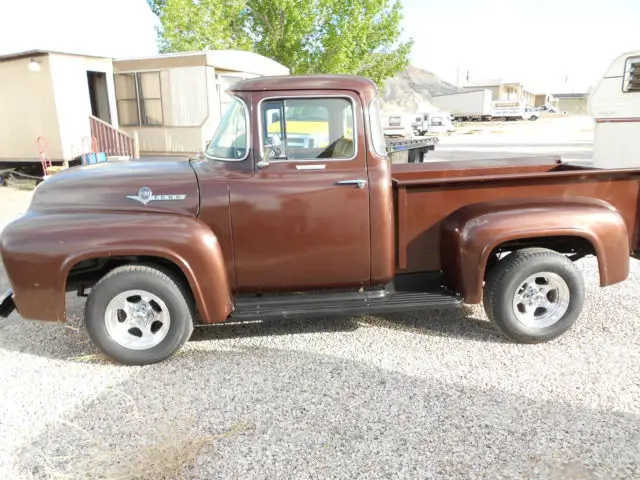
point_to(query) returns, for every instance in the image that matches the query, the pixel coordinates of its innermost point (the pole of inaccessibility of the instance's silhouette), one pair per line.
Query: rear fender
(470, 234)
(38, 268)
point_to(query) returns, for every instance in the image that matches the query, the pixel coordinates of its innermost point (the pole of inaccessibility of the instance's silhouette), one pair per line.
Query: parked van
(614, 104)
(434, 123)
(400, 124)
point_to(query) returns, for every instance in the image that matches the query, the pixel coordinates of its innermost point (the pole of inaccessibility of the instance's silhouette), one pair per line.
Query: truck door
(302, 220)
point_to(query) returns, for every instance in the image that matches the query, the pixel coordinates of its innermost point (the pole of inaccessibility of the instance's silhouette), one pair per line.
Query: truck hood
(155, 186)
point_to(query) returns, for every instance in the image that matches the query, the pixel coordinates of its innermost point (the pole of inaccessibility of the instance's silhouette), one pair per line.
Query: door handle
(358, 182)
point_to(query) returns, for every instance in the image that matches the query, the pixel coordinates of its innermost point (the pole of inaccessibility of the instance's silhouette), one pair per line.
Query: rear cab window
(378, 141)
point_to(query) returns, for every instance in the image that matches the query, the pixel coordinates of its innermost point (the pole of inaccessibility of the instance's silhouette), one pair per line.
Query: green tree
(359, 37)
(188, 25)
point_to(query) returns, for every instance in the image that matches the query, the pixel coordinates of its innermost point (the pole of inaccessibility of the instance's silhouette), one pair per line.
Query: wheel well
(86, 273)
(573, 247)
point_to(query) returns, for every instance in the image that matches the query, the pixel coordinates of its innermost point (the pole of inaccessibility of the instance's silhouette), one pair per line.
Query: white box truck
(614, 104)
(466, 106)
(512, 110)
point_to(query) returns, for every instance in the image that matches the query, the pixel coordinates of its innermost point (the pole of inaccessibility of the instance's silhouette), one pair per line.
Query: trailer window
(139, 99)
(395, 121)
(307, 129)
(632, 75)
(378, 141)
(229, 143)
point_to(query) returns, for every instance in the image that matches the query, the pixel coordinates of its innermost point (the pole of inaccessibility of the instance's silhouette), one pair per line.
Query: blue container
(91, 158)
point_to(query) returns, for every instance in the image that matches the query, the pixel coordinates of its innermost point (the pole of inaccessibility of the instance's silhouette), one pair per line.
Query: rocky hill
(412, 89)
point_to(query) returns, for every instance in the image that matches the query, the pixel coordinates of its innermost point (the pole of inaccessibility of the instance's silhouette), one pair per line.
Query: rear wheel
(138, 315)
(534, 295)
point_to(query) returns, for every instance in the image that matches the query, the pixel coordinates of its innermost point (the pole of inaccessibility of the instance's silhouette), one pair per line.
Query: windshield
(230, 140)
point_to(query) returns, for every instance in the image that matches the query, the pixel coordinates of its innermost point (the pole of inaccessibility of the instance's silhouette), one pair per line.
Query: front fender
(470, 234)
(39, 250)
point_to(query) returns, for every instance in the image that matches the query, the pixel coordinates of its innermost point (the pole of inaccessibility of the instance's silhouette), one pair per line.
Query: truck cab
(301, 183)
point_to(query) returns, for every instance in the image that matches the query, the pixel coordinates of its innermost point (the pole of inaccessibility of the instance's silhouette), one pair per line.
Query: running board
(316, 305)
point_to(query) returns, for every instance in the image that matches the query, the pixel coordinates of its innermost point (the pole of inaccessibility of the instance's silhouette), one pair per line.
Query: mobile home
(614, 104)
(51, 95)
(68, 104)
(173, 102)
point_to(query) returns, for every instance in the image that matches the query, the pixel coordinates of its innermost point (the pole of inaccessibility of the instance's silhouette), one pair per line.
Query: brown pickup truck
(295, 210)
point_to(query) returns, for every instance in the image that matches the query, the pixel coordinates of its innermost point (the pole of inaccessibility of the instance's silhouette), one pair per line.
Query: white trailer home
(170, 104)
(614, 104)
(173, 102)
(51, 95)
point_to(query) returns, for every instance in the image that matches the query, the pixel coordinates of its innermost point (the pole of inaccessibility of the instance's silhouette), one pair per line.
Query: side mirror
(273, 150)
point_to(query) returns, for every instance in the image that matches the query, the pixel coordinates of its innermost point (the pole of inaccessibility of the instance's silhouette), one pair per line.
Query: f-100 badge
(145, 195)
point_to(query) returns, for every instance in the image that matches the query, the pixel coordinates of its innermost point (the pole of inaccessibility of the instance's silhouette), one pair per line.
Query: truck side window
(308, 129)
(229, 143)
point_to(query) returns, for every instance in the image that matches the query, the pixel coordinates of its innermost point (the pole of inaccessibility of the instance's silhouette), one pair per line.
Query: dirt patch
(13, 203)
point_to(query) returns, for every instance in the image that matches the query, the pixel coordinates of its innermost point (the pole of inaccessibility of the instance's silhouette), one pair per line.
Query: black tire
(509, 274)
(533, 118)
(149, 279)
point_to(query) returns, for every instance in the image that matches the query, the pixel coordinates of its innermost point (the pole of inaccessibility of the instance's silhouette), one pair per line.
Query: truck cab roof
(307, 82)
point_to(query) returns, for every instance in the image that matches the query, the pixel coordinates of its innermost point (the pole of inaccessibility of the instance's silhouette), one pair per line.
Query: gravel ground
(425, 395)
(13, 203)
(570, 137)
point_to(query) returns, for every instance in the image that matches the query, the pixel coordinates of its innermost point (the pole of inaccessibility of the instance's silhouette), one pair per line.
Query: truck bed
(427, 193)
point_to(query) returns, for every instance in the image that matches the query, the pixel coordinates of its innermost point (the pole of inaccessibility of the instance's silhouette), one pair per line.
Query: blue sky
(539, 42)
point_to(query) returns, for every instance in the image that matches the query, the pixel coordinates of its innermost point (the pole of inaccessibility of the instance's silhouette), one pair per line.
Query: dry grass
(144, 447)
(167, 457)
(23, 185)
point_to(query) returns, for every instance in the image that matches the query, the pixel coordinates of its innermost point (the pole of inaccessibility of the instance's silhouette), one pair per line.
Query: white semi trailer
(466, 106)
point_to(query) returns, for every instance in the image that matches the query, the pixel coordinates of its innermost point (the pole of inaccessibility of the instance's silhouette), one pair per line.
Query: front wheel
(534, 295)
(138, 315)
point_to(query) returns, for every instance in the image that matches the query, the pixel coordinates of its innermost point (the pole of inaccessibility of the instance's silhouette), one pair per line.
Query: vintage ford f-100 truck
(265, 224)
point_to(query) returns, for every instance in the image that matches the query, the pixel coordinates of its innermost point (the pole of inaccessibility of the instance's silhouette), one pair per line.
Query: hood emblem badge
(145, 195)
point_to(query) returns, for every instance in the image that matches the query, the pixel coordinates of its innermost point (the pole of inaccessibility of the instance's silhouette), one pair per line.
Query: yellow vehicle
(307, 125)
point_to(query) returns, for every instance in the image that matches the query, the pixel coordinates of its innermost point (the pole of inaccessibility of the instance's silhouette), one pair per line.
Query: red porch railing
(112, 141)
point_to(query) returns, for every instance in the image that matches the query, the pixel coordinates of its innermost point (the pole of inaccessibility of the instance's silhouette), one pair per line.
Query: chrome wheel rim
(541, 300)
(137, 319)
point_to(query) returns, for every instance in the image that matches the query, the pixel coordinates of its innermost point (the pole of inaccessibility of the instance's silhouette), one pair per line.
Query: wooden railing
(112, 141)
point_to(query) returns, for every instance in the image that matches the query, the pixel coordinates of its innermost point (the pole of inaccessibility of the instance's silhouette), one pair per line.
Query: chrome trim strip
(310, 167)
